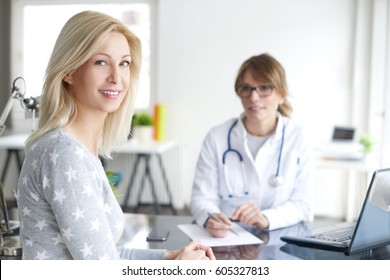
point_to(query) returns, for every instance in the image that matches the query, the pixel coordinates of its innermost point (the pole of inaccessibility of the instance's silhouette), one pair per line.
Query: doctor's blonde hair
(82, 37)
(265, 68)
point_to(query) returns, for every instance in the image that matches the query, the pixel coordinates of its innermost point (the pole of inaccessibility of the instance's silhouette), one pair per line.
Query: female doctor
(254, 169)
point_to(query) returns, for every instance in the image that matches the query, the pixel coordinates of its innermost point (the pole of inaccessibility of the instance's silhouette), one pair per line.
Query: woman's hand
(193, 251)
(250, 214)
(218, 228)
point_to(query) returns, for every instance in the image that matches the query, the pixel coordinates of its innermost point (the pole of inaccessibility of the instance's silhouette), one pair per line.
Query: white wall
(202, 43)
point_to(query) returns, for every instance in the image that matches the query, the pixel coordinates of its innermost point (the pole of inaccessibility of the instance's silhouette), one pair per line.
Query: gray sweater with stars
(66, 206)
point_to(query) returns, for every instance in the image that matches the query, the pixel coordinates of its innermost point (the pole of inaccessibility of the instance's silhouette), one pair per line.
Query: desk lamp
(30, 103)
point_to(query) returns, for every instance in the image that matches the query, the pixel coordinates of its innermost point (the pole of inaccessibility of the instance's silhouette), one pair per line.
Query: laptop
(345, 134)
(371, 230)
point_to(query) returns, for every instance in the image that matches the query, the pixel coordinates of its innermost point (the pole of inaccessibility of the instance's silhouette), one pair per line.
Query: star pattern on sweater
(59, 196)
(41, 224)
(71, 173)
(53, 157)
(86, 250)
(42, 256)
(67, 234)
(80, 152)
(96, 225)
(26, 211)
(25, 180)
(46, 182)
(58, 239)
(78, 214)
(34, 164)
(29, 242)
(87, 190)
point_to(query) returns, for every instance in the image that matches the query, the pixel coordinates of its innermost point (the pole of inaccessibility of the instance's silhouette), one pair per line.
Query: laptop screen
(373, 225)
(343, 134)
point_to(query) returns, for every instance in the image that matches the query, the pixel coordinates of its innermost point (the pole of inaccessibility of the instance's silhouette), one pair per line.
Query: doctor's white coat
(283, 205)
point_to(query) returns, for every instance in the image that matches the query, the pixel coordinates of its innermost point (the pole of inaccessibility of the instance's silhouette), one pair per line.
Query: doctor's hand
(218, 228)
(193, 251)
(250, 214)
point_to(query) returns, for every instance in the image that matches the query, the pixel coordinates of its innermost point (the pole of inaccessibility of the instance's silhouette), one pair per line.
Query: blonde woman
(66, 206)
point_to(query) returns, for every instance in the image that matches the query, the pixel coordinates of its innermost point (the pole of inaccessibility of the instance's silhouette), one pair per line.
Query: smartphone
(158, 235)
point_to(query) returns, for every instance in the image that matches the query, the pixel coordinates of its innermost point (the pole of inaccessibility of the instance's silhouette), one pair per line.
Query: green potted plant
(143, 127)
(367, 142)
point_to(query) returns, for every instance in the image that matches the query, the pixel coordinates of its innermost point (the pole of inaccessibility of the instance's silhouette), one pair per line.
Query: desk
(353, 169)
(137, 227)
(14, 144)
(144, 151)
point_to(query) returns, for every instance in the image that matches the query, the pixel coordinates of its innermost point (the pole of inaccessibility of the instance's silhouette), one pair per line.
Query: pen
(215, 218)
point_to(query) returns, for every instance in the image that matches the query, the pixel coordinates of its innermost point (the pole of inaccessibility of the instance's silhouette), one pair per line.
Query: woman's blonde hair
(81, 38)
(266, 68)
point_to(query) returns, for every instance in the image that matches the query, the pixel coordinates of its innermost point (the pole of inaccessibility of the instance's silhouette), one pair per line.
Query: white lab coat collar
(276, 136)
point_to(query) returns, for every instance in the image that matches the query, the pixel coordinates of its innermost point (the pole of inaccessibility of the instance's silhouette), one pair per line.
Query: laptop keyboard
(335, 236)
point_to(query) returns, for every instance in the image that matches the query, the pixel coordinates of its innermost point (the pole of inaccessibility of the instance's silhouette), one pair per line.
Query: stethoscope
(275, 180)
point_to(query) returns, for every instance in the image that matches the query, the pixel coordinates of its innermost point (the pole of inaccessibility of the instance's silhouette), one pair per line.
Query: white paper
(243, 237)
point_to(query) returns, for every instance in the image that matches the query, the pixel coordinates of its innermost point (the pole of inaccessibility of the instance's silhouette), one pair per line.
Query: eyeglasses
(262, 90)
